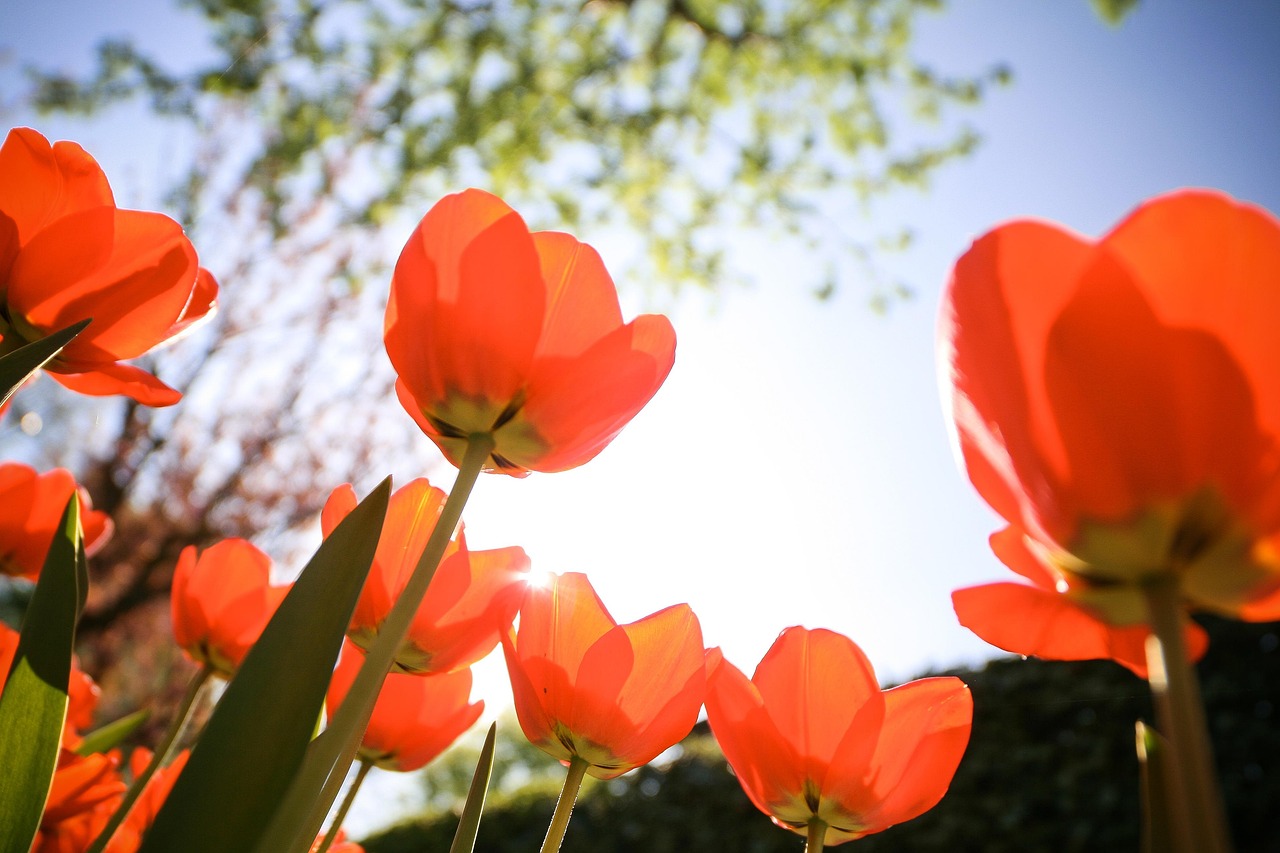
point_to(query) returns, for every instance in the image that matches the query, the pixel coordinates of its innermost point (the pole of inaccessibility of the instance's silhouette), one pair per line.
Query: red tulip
(1039, 619)
(67, 253)
(812, 737)
(613, 695)
(221, 601)
(416, 717)
(64, 831)
(1118, 401)
(473, 597)
(31, 506)
(494, 330)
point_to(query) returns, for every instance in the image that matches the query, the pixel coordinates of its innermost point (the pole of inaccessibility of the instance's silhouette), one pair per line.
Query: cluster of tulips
(1117, 402)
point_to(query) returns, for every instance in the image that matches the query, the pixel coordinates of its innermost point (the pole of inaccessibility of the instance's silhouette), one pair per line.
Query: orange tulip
(1118, 402)
(31, 506)
(62, 831)
(416, 717)
(67, 253)
(80, 784)
(812, 738)
(611, 695)
(473, 597)
(221, 602)
(340, 844)
(494, 330)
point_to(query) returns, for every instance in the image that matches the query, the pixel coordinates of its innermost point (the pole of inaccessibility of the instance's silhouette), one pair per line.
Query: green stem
(336, 826)
(564, 806)
(817, 835)
(341, 739)
(158, 759)
(1194, 784)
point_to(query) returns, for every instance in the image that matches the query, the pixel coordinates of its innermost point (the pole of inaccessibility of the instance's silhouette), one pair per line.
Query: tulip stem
(336, 826)
(816, 841)
(1180, 711)
(341, 739)
(564, 805)
(158, 758)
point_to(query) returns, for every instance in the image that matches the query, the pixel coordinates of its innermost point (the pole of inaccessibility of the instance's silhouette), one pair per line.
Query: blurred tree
(678, 121)
(323, 128)
(1114, 11)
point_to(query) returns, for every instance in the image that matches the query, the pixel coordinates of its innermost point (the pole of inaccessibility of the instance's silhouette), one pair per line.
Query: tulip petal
(577, 406)
(1011, 548)
(466, 308)
(43, 182)
(582, 301)
(109, 379)
(131, 271)
(1206, 261)
(991, 350)
(561, 621)
(1129, 395)
(763, 759)
(625, 694)
(1030, 621)
(926, 730)
(814, 683)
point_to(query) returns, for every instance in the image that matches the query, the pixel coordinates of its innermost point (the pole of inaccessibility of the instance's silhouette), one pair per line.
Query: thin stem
(336, 826)
(158, 759)
(564, 806)
(815, 843)
(341, 739)
(1182, 721)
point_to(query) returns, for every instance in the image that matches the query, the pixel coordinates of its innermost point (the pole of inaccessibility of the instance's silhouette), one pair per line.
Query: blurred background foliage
(676, 121)
(1050, 767)
(320, 130)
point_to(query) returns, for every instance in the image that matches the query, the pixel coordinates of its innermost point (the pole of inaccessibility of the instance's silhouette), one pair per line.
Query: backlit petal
(579, 405)
(926, 730)
(763, 759)
(1004, 296)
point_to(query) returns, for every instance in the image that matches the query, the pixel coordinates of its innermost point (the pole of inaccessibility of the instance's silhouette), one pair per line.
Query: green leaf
(254, 742)
(33, 707)
(112, 734)
(1113, 12)
(464, 840)
(16, 367)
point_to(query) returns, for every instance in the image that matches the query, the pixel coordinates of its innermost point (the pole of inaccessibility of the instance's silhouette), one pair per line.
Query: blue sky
(796, 467)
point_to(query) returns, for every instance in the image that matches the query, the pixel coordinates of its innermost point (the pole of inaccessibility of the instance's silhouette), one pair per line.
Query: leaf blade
(33, 706)
(17, 367)
(464, 839)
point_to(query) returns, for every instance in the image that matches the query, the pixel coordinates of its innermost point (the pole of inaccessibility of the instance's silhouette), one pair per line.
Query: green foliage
(1114, 11)
(1051, 767)
(657, 119)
